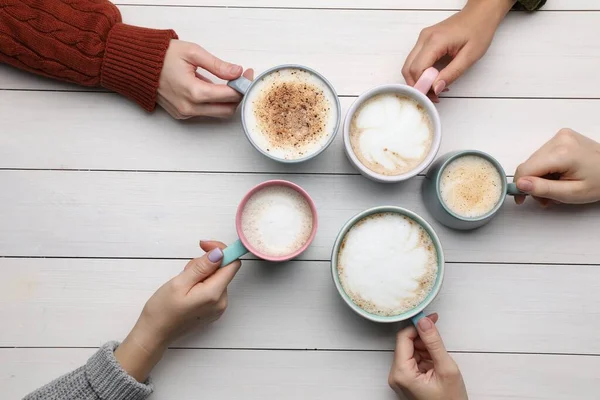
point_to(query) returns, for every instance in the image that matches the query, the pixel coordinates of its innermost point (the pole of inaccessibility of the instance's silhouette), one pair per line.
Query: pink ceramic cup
(242, 246)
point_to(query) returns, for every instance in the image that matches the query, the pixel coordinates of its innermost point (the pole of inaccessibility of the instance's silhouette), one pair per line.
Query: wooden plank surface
(358, 49)
(356, 4)
(162, 215)
(64, 302)
(104, 132)
(226, 374)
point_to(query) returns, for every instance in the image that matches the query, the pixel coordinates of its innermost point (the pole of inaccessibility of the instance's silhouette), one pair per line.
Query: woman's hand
(185, 93)
(565, 170)
(465, 37)
(422, 368)
(198, 295)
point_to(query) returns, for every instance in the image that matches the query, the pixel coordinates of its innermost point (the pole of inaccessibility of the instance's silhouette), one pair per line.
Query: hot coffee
(391, 134)
(277, 221)
(387, 264)
(291, 113)
(471, 186)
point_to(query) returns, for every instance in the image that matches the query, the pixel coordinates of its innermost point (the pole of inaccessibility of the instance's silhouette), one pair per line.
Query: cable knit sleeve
(529, 5)
(101, 378)
(84, 42)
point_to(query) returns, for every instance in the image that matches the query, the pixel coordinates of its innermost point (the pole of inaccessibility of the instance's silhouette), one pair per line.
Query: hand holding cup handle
(426, 80)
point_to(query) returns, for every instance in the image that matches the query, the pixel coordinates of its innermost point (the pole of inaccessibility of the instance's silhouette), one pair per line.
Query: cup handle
(512, 190)
(240, 85)
(415, 320)
(426, 80)
(233, 252)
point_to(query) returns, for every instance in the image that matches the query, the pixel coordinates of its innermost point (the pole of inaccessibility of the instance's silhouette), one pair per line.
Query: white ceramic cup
(418, 92)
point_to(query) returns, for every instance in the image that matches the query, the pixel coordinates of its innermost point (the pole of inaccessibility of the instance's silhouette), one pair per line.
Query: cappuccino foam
(387, 264)
(277, 221)
(291, 113)
(391, 134)
(471, 186)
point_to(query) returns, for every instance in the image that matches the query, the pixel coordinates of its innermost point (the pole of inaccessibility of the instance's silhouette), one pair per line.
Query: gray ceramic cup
(245, 86)
(416, 313)
(438, 209)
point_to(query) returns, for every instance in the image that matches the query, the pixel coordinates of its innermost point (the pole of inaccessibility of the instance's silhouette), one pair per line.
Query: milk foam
(277, 221)
(325, 114)
(387, 264)
(391, 134)
(471, 186)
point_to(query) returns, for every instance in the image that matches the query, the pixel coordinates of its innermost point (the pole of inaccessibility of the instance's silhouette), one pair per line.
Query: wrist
(491, 10)
(140, 352)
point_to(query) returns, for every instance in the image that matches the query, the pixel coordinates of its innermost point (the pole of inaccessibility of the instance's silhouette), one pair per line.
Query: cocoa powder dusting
(292, 114)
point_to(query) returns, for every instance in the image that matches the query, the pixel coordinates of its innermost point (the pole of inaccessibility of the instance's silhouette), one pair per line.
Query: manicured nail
(215, 255)
(235, 69)
(425, 324)
(525, 185)
(439, 87)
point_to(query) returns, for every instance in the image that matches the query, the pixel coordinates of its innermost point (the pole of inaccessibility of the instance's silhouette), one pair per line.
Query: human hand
(422, 368)
(184, 93)
(465, 37)
(566, 170)
(198, 295)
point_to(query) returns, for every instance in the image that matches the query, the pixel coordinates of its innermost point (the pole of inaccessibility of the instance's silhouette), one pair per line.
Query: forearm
(101, 378)
(494, 10)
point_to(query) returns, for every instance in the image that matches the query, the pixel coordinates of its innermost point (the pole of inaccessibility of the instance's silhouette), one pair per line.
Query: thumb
(549, 189)
(222, 69)
(433, 342)
(461, 63)
(198, 269)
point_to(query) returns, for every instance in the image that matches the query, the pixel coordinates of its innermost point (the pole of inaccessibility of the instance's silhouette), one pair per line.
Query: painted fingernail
(215, 255)
(425, 324)
(235, 69)
(525, 185)
(439, 87)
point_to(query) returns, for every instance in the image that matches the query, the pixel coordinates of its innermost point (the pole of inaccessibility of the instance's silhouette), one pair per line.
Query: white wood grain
(357, 4)
(226, 374)
(130, 139)
(83, 303)
(116, 214)
(358, 49)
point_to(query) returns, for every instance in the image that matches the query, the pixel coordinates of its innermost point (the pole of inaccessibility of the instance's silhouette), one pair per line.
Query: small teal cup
(414, 314)
(438, 209)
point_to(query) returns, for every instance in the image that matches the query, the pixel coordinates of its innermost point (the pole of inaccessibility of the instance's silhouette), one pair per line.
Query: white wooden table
(100, 203)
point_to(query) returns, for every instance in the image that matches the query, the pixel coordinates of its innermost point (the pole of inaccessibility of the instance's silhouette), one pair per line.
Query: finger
(170, 108)
(429, 54)
(208, 245)
(409, 60)
(214, 93)
(405, 349)
(218, 282)
(198, 56)
(199, 269)
(249, 74)
(559, 190)
(454, 70)
(215, 110)
(433, 342)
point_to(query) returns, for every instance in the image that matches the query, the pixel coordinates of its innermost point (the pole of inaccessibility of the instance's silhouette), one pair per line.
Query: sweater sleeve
(529, 5)
(83, 42)
(101, 378)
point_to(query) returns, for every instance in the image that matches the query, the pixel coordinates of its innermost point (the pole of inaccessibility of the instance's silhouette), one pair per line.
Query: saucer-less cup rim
(409, 92)
(414, 314)
(242, 246)
(244, 86)
(507, 188)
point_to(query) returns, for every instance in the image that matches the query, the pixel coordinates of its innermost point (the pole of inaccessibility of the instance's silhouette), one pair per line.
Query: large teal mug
(441, 212)
(414, 314)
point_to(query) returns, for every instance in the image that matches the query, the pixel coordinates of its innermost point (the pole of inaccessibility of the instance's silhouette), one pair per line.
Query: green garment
(529, 5)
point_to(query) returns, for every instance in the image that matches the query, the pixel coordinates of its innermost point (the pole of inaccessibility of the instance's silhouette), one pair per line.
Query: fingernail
(425, 324)
(215, 255)
(439, 87)
(235, 69)
(525, 185)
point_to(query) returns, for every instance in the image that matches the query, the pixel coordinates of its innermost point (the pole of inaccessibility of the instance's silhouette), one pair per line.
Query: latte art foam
(291, 113)
(391, 134)
(387, 264)
(277, 221)
(471, 186)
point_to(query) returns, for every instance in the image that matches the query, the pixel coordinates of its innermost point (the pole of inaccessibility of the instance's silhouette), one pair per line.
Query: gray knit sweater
(101, 378)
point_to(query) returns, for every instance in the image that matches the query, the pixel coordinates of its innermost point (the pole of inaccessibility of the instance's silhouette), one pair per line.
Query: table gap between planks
(101, 203)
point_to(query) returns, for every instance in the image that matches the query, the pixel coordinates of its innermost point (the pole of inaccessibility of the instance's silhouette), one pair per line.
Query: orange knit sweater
(84, 42)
